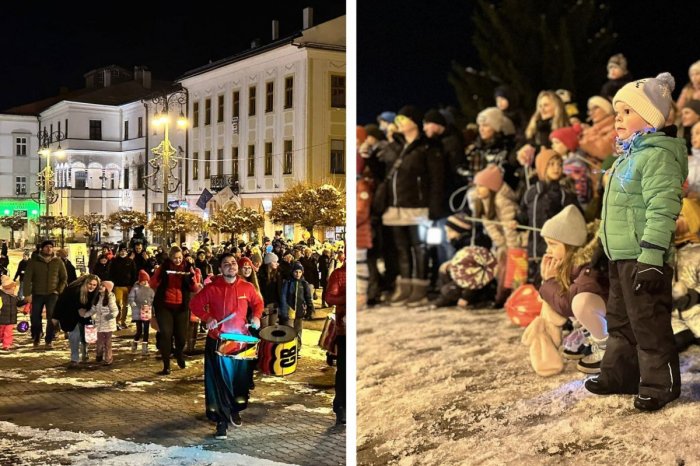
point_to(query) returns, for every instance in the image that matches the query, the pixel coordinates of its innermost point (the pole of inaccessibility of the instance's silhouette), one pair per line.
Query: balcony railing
(219, 182)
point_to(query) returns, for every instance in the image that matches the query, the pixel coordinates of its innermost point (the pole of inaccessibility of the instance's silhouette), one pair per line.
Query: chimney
(255, 43)
(142, 75)
(308, 17)
(275, 30)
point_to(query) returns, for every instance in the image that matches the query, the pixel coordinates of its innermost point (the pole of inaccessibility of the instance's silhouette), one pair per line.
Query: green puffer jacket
(45, 276)
(643, 199)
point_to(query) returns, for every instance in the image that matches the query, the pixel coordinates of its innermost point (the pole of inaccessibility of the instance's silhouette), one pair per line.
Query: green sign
(27, 208)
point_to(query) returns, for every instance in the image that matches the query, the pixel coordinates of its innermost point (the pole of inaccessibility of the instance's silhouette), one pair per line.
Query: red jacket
(173, 292)
(364, 203)
(219, 299)
(335, 296)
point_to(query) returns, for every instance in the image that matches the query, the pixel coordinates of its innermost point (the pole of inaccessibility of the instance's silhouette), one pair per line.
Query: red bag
(516, 268)
(523, 305)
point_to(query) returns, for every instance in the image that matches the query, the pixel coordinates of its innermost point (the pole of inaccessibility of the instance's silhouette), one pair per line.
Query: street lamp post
(164, 160)
(45, 182)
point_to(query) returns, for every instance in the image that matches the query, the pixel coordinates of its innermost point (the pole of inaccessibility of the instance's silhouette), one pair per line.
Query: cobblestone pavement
(288, 419)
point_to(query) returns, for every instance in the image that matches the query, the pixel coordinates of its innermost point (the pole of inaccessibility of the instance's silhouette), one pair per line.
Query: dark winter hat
(508, 94)
(458, 223)
(694, 105)
(47, 242)
(649, 97)
(374, 131)
(297, 266)
(618, 60)
(434, 116)
(411, 112)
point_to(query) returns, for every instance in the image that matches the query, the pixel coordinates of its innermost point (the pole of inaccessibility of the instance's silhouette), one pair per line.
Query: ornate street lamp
(45, 182)
(164, 162)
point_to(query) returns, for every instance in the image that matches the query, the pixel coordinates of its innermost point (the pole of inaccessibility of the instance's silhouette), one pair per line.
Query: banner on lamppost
(204, 198)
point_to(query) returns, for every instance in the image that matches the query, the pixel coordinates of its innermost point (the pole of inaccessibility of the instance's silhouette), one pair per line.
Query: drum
(90, 334)
(237, 346)
(327, 340)
(277, 351)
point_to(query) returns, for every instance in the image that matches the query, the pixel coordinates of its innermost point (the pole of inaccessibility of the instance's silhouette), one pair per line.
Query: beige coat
(506, 209)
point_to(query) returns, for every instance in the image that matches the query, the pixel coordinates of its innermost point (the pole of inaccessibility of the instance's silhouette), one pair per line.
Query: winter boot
(166, 367)
(402, 292)
(134, 345)
(419, 293)
(144, 348)
(591, 363)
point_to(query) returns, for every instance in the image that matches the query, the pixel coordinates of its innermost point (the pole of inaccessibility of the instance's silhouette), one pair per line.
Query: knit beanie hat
(389, 117)
(411, 112)
(245, 262)
(568, 227)
(542, 160)
(618, 60)
(271, 257)
(458, 223)
(491, 177)
(650, 97)
(297, 266)
(493, 117)
(360, 134)
(600, 102)
(143, 276)
(374, 131)
(433, 116)
(694, 105)
(109, 286)
(568, 135)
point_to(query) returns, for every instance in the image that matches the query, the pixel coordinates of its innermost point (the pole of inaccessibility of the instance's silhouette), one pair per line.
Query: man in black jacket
(122, 271)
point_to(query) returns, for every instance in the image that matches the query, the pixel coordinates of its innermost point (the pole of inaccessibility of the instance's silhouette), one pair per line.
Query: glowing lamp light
(267, 205)
(7, 211)
(434, 236)
(60, 154)
(44, 152)
(34, 212)
(182, 121)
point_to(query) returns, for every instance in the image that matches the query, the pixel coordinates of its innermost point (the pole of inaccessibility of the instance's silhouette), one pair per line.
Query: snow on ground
(455, 387)
(20, 445)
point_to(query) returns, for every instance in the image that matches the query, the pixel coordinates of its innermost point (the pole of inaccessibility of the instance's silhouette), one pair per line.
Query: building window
(126, 178)
(96, 130)
(269, 96)
(65, 133)
(80, 179)
(337, 156)
(140, 127)
(207, 112)
(51, 133)
(234, 161)
(112, 181)
(21, 185)
(59, 129)
(207, 164)
(195, 166)
(251, 160)
(126, 130)
(21, 145)
(337, 91)
(140, 175)
(288, 158)
(289, 92)
(236, 103)
(220, 162)
(195, 114)
(268, 158)
(251, 101)
(220, 115)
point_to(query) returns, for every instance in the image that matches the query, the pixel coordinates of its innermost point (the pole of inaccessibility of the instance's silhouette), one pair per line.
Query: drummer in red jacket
(226, 381)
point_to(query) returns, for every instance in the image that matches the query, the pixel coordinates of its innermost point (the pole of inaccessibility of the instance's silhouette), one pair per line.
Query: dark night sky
(404, 54)
(49, 45)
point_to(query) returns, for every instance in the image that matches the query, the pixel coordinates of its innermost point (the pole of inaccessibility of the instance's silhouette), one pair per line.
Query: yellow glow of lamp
(181, 121)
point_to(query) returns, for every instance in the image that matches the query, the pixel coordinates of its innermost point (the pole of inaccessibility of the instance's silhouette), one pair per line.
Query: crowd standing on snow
(180, 295)
(596, 215)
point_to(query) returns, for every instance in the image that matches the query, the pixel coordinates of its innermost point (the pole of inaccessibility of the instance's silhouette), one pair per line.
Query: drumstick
(228, 317)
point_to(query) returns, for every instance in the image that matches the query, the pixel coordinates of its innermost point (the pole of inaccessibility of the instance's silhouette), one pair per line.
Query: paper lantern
(523, 305)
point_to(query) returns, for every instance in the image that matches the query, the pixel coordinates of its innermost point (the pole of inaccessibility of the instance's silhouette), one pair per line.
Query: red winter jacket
(335, 296)
(583, 279)
(364, 203)
(219, 299)
(173, 292)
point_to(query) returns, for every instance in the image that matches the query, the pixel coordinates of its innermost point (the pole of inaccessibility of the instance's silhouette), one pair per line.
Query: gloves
(212, 324)
(649, 278)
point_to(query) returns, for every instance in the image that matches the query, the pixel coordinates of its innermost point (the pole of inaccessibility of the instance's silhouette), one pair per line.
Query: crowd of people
(238, 290)
(605, 206)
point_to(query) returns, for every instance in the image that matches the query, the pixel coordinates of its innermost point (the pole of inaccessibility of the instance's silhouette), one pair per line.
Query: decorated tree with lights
(532, 45)
(63, 223)
(310, 205)
(88, 224)
(182, 222)
(126, 220)
(234, 220)
(14, 223)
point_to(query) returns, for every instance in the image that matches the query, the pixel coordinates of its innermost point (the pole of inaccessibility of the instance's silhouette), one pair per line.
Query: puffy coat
(45, 276)
(296, 294)
(219, 299)
(8, 311)
(497, 151)
(643, 198)
(336, 296)
(172, 282)
(364, 227)
(583, 279)
(122, 271)
(138, 296)
(506, 210)
(104, 316)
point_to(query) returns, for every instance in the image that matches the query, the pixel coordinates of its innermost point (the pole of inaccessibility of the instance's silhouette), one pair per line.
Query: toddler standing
(104, 312)
(8, 311)
(141, 298)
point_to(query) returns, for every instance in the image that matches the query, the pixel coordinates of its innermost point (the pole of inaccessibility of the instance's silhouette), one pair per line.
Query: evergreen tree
(533, 45)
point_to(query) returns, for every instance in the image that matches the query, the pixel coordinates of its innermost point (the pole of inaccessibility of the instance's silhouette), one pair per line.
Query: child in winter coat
(296, 301)
(140, 300)
(641, 202)
(571, 289)
(685, 318)
(8, 311)
(577, 168)
(104, 312)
